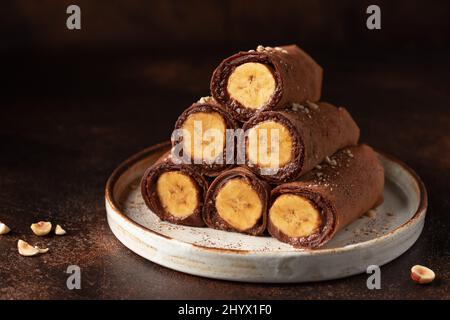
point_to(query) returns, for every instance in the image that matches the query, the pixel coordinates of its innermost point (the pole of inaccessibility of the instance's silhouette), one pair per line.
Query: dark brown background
(74, 104)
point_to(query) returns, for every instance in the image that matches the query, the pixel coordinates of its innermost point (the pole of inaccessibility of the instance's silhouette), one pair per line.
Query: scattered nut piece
(27, 250)
(204, 99)
(421, 274)
(299, 107)
(59, 231)
(372, 214)
(41, 228)
(45, 250)
(296, 106)
(260, 48)
(349, 153)
(280, 49)
(330, 161)
(312, 105)
(4, 228)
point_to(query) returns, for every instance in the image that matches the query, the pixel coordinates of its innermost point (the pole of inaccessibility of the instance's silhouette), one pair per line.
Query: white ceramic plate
(233, 256)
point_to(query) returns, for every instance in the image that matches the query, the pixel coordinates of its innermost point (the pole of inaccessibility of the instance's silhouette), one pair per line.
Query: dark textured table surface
(68, 122)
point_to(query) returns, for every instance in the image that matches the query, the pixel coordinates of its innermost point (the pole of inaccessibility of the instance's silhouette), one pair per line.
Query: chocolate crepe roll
(266, 79)
(237, 200)
(174, 192)
(205, 123)
(282, 145)
(308, 213)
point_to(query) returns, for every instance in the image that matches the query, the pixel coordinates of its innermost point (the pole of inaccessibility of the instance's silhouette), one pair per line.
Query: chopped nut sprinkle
(349, 153)
(298, 107)
(204, 99)
(331, 162)
(260, 48)
(312, 105)
(372, 214)
(281, 49)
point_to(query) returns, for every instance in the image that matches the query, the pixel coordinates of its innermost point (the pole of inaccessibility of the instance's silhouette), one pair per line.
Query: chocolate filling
(209, 169)
(297, 76)
(323, 206)
(342, 189)
(317, 132)
(220, 92)
(289, 170)
(151, 198)
(213, 219)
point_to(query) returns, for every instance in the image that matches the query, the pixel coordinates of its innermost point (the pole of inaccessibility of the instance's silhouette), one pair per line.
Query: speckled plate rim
(417, 217)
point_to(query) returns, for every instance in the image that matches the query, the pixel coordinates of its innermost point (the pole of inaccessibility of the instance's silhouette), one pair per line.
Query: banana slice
(238, 204)
(251, 84)
(177, 193)
(295, 216)
(207, 131)
(270, 145)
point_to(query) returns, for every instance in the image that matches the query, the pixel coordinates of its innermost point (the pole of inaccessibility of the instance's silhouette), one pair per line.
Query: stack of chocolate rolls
(264, 155)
